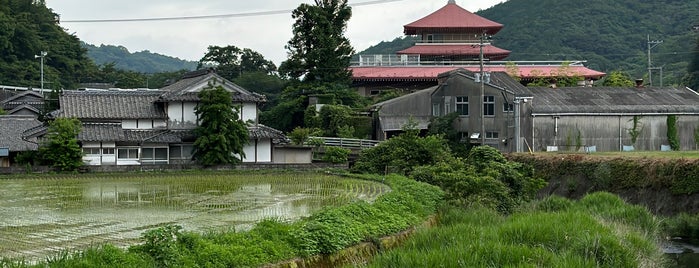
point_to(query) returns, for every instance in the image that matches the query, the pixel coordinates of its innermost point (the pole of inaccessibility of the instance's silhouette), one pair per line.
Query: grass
(555, 232)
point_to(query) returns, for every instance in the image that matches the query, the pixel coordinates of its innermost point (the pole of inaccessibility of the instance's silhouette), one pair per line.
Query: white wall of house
(248, 112)
(181, 114)
(143, 123)
(258, 151)
(99, 153)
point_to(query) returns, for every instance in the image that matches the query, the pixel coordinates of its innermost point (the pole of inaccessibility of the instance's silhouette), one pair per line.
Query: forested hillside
(141, 61)
(610, 35)
(26, 29)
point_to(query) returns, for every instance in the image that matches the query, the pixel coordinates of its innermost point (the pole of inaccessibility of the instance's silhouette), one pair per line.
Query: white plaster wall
(174, 112)
(264, 150)
(249, 112)
(145, 124)
(159, 124)
(249, 150)
(129, 124)
(189, 116)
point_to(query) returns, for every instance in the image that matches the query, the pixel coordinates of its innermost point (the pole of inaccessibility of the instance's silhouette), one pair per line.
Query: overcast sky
(266, 34)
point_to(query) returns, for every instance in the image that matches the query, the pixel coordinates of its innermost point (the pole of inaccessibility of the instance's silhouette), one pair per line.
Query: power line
(232, 15)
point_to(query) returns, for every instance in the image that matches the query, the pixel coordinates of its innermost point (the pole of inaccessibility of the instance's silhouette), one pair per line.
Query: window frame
(489, 106)
(462, 102)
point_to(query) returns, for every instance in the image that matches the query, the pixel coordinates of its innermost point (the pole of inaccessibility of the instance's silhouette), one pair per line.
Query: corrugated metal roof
(11, 129)
(490, 52)
(452, 18)
(613, 100)
(111, 104)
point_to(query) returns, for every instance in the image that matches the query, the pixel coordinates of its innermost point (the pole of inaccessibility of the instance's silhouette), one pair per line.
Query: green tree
(231, 62)
(318, 50)
(28, 27)
(444, 125)
(2, 112)
(618, 79)
(221, 134)
(60, 149)
(692, 77)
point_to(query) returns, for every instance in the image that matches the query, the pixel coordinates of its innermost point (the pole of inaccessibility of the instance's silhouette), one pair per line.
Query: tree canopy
(28, 27)
(221, 133)
(61, 150)
(231, 62)
(319, 50)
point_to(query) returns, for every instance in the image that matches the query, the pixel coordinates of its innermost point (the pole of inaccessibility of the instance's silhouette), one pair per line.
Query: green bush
(683, 225)
(336, 155)
(672, 134)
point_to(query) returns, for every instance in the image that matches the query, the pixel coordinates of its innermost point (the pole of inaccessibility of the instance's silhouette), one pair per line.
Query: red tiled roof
(428, 73)
(491, 52)
(452, 18)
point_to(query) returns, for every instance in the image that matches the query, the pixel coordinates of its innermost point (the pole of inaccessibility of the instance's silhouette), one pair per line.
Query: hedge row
(611, 174)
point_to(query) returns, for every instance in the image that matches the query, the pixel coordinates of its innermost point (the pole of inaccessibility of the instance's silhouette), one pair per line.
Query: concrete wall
(176, 167)
(293, 155)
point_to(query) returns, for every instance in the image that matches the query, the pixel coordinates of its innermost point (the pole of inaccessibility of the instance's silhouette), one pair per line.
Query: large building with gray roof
(134, 127)
(516, 118)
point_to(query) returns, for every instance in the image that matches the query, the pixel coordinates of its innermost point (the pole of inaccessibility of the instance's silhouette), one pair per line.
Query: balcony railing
(415, 60)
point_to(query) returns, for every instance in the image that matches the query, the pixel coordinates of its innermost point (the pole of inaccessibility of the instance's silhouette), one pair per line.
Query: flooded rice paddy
(40, 217)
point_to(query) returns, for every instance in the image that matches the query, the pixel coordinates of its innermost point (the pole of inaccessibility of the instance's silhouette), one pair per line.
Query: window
(491, 135)
(93, 151)
(127, 153)
(435, 109)
(489, 105)
(181, 151)
(508, 107)
(154, 155)
(107, 150)
(462, 105)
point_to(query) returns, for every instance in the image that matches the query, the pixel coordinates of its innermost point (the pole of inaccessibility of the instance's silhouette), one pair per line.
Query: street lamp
(42, 55)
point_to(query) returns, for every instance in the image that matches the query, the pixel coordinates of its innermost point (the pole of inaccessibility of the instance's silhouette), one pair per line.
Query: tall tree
(60, 150)
(28, 27)
(231, 62)
(692, 77)
(221, 134)
(318, 50)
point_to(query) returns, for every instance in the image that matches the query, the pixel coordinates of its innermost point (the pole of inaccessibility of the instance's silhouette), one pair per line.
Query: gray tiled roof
(11, 129)
(260, 131)
(180, 90)
(113, 104)
(114, 132)
(624, 100)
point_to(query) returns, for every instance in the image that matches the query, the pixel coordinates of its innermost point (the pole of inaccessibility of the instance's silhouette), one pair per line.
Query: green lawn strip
(408, 203)
(553, 233)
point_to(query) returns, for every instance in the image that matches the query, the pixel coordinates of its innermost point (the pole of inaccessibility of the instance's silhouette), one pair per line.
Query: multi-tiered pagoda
(451, 38)
(453, 34)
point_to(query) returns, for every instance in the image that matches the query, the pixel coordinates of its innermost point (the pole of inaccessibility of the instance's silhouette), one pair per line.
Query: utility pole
(482, 91)
(42, 55)
(651, 45)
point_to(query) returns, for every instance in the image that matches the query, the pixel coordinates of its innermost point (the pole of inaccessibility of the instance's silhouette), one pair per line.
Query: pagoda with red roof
(452, 38)
(452, 33)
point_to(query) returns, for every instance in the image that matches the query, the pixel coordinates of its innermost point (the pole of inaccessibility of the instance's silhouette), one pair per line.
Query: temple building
(452, 38)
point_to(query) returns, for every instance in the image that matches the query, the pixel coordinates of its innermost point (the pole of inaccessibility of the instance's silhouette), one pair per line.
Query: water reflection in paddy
(40, 217)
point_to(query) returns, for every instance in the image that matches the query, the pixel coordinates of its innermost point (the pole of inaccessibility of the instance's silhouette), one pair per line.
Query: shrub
(299, 135)
(672, 134)
(336, 155)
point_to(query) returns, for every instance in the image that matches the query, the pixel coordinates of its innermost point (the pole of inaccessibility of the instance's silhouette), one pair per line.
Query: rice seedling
(46, 215)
